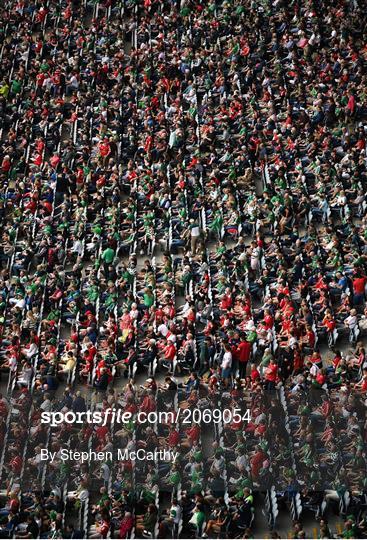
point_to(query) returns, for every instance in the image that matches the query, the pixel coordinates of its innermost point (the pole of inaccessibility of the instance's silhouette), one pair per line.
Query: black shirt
(33, 529)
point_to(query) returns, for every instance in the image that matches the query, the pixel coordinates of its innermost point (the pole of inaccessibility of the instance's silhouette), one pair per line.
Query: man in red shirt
(126, 525)
(169, 351)
(148, 403)
(244, 349)
(257, 461)
(173, 438)
(226, 301)
(255, 374)
(271, 375)
(310, 339)
(104, 150)
(102, 528)
(16, 463)
(268, 320)
(192, 436)
(359, 283)
(362, 384)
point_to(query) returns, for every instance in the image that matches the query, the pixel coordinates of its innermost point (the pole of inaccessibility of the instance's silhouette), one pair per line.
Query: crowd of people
(184, 219)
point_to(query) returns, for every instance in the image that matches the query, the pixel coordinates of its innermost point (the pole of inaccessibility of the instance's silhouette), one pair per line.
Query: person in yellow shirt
(4, 89)
(67, 363)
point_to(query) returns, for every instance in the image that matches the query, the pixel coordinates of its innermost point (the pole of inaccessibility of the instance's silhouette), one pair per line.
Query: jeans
(358, 299)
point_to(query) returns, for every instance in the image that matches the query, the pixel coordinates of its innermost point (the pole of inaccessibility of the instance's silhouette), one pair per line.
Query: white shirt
(227, 360)
(74, 81)
(351, 321)
(18, 302)
(292, 341)
(26, 375)
(162, 328)
(195, 231)
(32, 350)
(241, 462)
(105, 471)
(314, 370)
(13, 364)
(46, 405)
(175, 513)
(77, 247)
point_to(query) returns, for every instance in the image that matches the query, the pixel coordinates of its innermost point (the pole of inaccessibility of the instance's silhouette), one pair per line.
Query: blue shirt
(343, 283)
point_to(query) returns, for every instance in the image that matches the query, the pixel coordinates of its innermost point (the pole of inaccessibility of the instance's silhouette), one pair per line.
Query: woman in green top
(147, 521)
(148, 298)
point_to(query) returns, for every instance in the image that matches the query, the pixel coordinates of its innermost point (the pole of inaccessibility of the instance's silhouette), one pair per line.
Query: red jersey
(359, 285)
(244, 351)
